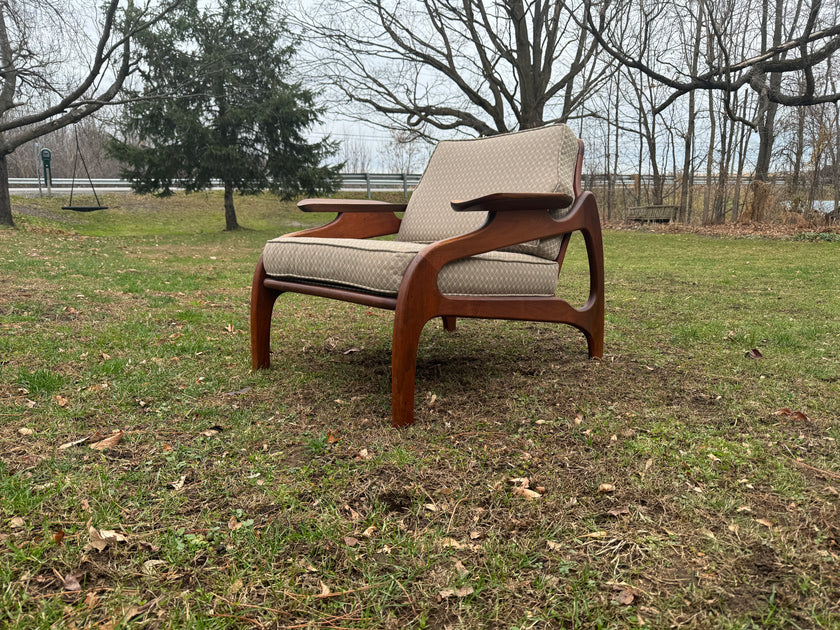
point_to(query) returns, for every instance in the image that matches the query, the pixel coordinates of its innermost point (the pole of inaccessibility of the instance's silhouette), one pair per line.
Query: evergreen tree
(216, 103)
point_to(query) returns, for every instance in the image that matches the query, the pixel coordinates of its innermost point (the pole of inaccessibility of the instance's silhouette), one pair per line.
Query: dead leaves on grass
(100, 445)
(100, 539)
(522, 488)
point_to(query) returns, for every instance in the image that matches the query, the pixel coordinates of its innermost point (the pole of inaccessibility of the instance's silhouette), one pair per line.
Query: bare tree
(774, 57)
(52, 75)
(405, 152)
(355, 155)
(479, 66)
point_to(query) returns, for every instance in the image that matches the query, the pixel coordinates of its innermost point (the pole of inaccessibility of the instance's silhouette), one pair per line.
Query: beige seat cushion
(537, 160)
(378, 267)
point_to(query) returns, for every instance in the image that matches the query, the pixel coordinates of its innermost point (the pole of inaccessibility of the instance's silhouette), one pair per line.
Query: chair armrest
(503, 229)
(497, 202)
(355, 218)
(349, 205)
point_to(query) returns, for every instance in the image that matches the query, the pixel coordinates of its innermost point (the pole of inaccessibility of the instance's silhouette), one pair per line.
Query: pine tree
(216, 104)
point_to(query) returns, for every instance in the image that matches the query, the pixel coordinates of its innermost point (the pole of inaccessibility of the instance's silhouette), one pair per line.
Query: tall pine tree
(216, 103)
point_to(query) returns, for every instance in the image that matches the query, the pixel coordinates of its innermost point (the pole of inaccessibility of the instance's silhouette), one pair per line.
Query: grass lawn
(149, 479)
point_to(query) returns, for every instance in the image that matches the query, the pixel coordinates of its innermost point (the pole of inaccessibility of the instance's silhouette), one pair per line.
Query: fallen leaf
(765, 522)
(798, 415)
(352, 350)
(606, 487)
(744, 508)
(832, 490)
(58, 537)
(71, 583)
(553, 546)
(214, 430)
(100, 539)
(460, 569)
(61, 400)
(755, 353)
(369, 531)
(784, 411)
(233, 524)
(325, 590)
(619, 511)
(525, 493)
(350, 541)
(177, 485)
(431, 507)
(626, 597)
(452, 543)
(522, 481)
(109, 442)
(456, 592)
(474, 535)
(578, 418)
(67, 445)
(16, 523)
(149, 566)
(331, 438)
(363, 455)
(598, 534)
(25, 431)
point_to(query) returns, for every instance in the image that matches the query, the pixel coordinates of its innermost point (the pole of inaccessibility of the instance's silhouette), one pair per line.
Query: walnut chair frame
(512, 218)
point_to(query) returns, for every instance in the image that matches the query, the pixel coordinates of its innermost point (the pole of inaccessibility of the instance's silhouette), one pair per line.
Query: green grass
(283, 498)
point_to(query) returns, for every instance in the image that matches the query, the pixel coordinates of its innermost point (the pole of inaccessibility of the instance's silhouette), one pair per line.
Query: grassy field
(149, 479)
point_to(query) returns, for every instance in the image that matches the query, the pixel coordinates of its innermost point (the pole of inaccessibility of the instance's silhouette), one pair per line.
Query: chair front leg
(262, 304)
(408, 325)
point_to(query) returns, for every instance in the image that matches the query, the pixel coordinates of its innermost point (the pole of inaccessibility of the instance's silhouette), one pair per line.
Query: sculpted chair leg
(407, 329)
(595, 252)
(262, 304)
(449, 323)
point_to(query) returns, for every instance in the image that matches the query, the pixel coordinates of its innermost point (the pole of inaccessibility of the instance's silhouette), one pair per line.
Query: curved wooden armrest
(349, 205)
(503, 229)
(501, 201)
(355, 218)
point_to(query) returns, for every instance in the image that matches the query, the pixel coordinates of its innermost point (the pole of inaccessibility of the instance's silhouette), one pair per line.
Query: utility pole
(38, 168)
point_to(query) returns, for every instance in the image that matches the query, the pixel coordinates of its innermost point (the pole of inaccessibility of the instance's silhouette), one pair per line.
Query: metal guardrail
(367, 182)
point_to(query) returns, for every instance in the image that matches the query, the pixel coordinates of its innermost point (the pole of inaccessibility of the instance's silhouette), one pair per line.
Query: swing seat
(84, 208)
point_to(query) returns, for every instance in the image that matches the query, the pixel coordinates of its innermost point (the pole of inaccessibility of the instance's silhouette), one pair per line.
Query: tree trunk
(5, 202)
(710, 158)
(230, 212)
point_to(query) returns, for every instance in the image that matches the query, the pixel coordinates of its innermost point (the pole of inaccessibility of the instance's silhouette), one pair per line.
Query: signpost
(38, 169)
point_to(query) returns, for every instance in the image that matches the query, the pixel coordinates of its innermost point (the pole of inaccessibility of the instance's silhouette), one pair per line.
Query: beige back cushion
(536, 160)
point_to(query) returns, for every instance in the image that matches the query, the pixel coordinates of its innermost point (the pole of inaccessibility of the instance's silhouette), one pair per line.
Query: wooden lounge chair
(483, 236)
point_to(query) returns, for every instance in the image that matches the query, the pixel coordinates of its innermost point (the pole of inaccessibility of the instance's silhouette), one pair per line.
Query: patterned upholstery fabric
(536, 160)
(378, 266)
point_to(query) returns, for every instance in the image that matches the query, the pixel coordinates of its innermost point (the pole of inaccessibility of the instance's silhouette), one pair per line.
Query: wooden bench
(658, 214)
